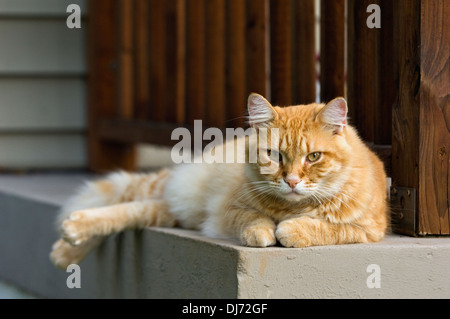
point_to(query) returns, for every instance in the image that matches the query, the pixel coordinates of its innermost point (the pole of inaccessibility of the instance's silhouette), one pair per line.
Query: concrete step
(177, 263)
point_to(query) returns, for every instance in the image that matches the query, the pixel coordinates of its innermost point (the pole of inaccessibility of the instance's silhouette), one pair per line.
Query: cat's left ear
(334, 114)
(260, 112)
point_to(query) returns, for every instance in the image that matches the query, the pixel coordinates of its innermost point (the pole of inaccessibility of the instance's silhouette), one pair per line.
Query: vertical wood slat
(332, 47)
(434, 158)
(362, 74)
(215, 63)
(236, 77)
(405, 114)
(257, 48)
(371, 88)
(157, 58)
(195, 57)
(181, 63)
(387, 69)
(281, 52)
(103, 155)
(304, 52)
(421, 116)
(175, 63)
(141, 67)
(126, 10)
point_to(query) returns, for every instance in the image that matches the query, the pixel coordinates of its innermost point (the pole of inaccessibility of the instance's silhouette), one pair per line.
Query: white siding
(40, 46)
(42, 151)
(42, 104)
(42, 86)
(37, 7)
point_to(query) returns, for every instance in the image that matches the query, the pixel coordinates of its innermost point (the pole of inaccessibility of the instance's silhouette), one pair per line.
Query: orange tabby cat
(324, 186)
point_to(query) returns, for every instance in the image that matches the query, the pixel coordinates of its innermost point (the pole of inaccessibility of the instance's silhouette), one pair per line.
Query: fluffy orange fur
(327, 188)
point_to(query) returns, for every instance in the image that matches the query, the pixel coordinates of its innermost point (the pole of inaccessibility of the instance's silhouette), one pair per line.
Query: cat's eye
(313, 156)
(275, 155)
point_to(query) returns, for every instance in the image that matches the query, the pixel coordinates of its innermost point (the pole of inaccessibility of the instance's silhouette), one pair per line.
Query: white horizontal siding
(41, 46)
(46, 104)
(42, 151)
(42, 86)
(38, 7)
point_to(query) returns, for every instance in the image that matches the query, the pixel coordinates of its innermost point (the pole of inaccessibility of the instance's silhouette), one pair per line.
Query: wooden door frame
(421, 116)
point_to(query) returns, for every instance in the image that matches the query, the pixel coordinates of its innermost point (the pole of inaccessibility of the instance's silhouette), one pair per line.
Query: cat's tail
(115, 188)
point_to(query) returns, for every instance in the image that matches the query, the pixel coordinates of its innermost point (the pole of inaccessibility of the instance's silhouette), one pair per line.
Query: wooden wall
(180, 60)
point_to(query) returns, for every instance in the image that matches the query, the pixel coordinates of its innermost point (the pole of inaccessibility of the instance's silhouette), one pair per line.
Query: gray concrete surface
(8, 291)
(176, 263)
(52, 188)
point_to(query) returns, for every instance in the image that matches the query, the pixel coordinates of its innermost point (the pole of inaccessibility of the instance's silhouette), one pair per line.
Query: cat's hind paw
(258, 236)
(64, 254)
(76, 230)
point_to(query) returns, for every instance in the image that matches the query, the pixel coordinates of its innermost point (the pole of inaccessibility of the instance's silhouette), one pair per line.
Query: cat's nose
(292, 181)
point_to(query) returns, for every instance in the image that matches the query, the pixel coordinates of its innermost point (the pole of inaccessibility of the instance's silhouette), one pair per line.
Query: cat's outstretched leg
(103, 221)
(85, 229)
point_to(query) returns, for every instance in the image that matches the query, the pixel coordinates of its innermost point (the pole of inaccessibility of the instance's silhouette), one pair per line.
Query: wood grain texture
(434, 143)
(387, 70)
(195, 60)
(332, 49)
(362, 74)
(215, 63)
(104, 155)
(125, 49)
(236, 90)
(281, 66)
(158, 60)
(141, 65)
(175, 46)
(257, 35)
(371, 89)
(421, 125)
(304, 52)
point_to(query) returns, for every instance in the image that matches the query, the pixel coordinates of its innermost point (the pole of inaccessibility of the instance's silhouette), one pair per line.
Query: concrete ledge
(176, 263)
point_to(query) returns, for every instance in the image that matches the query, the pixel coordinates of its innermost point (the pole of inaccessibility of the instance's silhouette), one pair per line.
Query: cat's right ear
(334, 115)
(260, 112)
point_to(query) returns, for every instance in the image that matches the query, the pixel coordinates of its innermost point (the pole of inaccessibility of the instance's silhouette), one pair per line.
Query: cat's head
(306, 154)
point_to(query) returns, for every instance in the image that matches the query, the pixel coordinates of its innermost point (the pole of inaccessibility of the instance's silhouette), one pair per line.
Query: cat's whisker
(341, 201)
(261, 187)
(340, 191)
(317, 199)
(327, 197)
(251, 191)
(333, 196)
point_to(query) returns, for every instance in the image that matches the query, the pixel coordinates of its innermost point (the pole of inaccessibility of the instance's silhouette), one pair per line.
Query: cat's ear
(260, 112)
(334, 115)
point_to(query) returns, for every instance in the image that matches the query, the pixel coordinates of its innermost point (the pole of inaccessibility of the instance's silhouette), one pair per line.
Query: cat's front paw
(296, 232)
(75, 230)
(258, 236)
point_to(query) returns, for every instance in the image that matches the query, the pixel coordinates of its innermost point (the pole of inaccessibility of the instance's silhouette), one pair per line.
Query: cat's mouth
(294, 194)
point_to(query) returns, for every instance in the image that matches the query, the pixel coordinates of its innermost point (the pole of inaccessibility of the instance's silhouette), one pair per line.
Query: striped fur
(326, 188)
